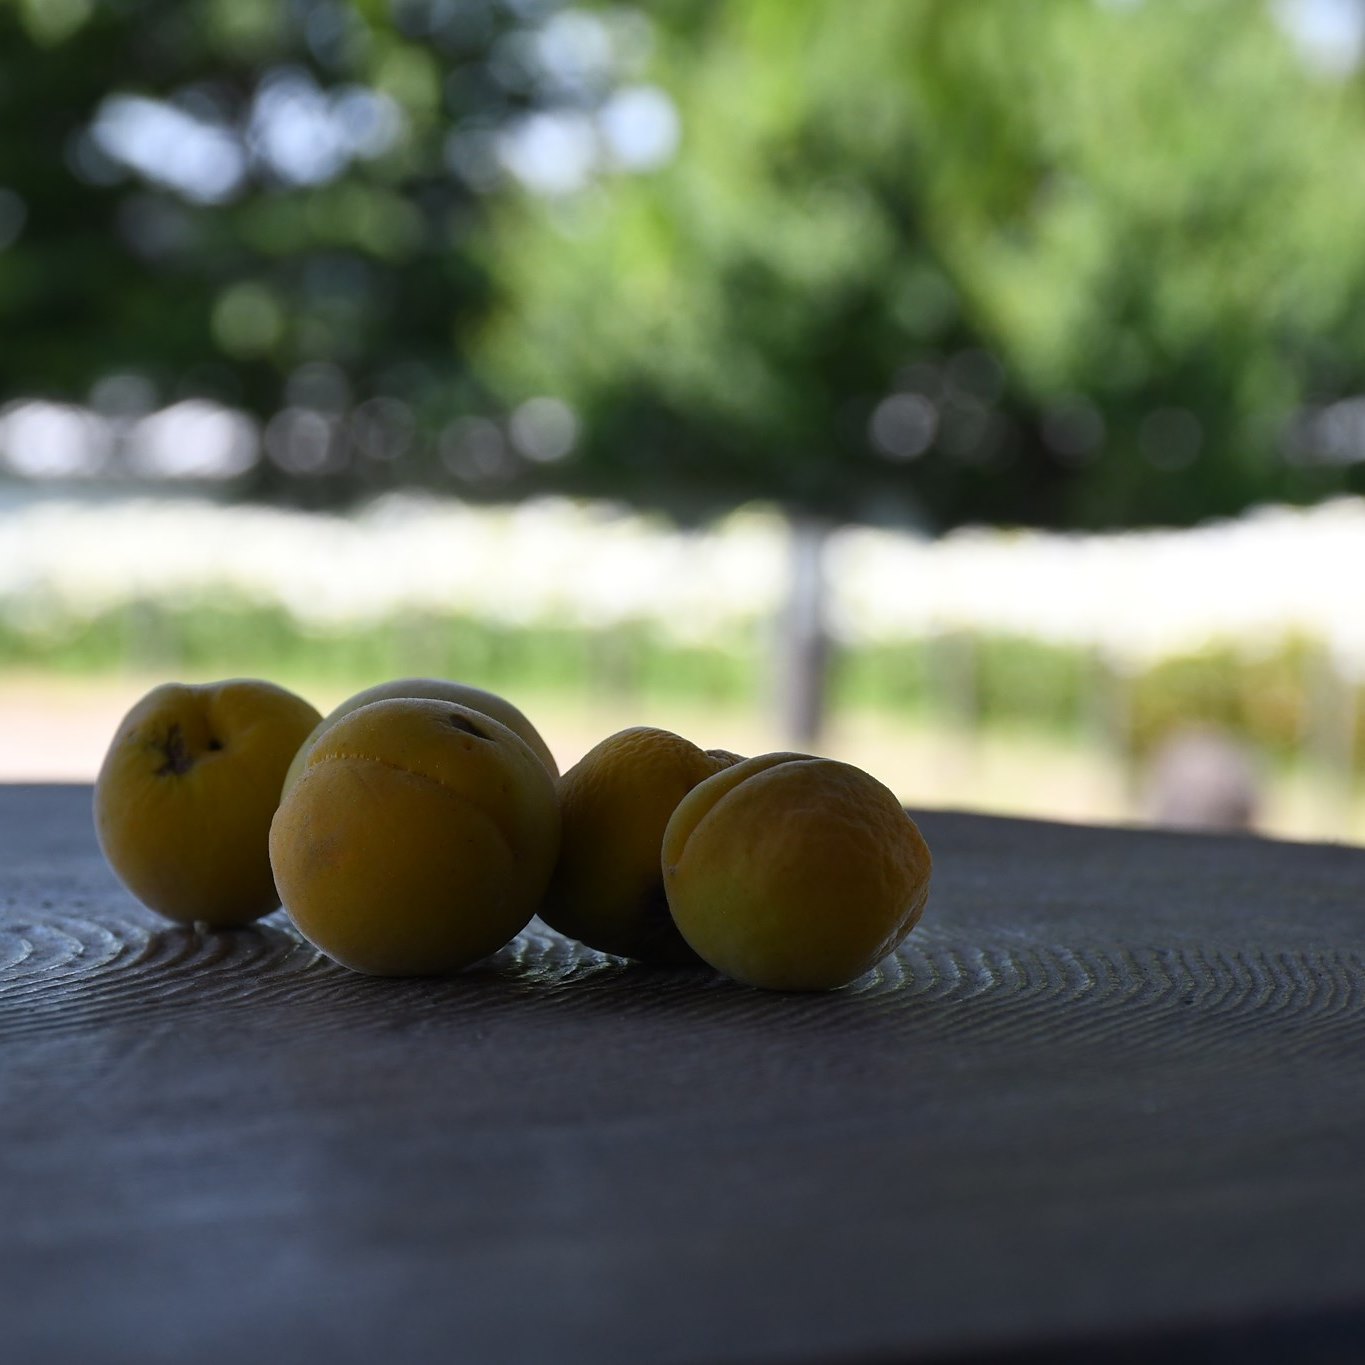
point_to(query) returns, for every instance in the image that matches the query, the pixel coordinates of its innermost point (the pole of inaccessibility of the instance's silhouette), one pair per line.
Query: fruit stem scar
(458, 722)
(177, 753)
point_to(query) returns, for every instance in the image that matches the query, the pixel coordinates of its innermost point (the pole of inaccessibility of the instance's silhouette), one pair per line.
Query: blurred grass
(966, 681)
(199, 637)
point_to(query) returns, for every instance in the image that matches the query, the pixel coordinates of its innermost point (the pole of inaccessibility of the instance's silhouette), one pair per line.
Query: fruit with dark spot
(435, 689)
(186, 793)
(417, 839)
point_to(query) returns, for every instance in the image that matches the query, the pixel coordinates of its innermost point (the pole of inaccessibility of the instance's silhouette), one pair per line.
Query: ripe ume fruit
(184, 799)
(794, 873)
(418, 838)
(607, 890)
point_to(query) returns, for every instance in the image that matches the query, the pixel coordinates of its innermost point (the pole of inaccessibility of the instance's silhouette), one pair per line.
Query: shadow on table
(268, 964)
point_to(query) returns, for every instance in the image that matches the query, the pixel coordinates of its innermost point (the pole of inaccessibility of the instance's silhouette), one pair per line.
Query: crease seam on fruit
(503, 833)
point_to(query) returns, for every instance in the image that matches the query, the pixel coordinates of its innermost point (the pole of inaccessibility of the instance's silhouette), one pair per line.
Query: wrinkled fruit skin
(434, 689)
(184, 798)
(607, 890)
(418, 838)
(794, 873)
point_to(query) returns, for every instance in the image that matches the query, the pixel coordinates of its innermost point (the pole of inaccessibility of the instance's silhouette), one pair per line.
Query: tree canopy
(272, 204)
(1063, 262)
(1067, 262)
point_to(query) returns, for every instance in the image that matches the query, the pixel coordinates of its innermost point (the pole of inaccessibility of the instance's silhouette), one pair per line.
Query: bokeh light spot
(544, 429)
(903, 426)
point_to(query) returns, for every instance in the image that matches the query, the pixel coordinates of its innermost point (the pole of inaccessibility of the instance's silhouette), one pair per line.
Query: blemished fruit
(435, 689)
(607, 889)
(184, 798)
(417, 839)
(794, 873)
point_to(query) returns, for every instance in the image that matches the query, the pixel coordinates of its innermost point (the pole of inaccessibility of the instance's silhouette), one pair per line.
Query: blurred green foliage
(1265, 700)
(1113, 246)
(221, 263)
(968, 681)
(202, 636)
(1052, 261)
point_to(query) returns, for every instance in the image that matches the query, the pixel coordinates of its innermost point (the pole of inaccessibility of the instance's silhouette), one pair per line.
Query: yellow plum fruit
(186, 793)
(794, 873)
(417, 839)
(607, 890)
(434, 689)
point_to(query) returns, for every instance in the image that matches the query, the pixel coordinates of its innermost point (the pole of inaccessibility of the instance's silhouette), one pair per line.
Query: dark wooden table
(1107, 1103)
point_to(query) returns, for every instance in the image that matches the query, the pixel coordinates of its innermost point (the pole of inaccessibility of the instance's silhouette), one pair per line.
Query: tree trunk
(803, 638)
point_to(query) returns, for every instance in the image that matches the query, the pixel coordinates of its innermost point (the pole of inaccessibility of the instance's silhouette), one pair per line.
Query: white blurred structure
(1139, 597)
(1253, 583)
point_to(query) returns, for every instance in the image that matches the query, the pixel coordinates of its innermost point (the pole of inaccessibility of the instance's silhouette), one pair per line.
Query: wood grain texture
(1108, 1101)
